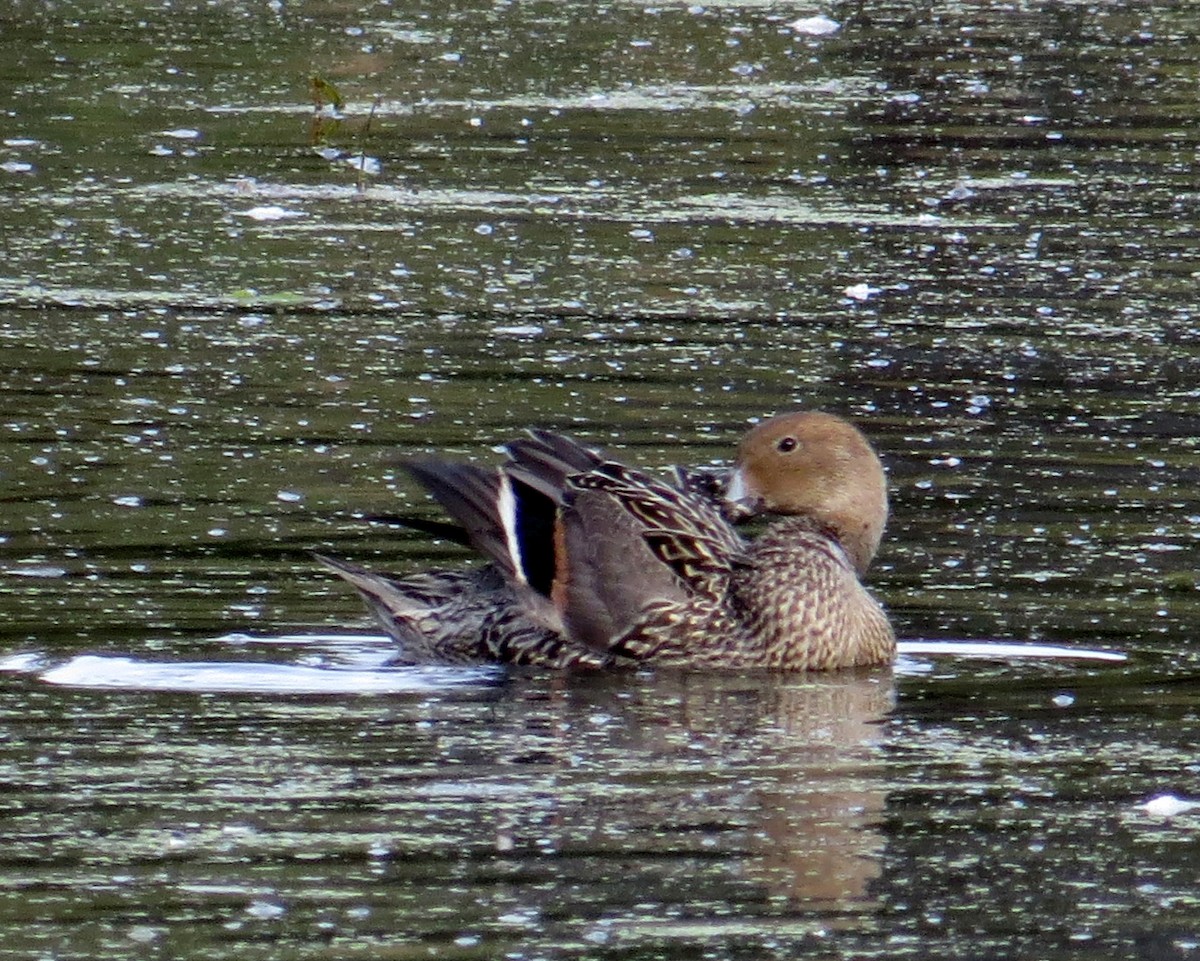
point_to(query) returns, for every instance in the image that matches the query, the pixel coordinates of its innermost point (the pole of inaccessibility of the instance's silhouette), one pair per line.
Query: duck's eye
(786, 445)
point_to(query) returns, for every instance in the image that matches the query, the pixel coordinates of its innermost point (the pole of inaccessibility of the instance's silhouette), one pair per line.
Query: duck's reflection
(702, 794)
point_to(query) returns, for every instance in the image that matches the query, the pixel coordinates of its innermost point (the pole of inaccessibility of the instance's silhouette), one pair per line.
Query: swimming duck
(594, 564)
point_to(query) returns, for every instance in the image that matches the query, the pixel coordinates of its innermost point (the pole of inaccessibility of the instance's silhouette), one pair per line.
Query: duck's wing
(544, 460)
(585, 542)
(509, 515)
(475, 498)
(628, 541)
(506, 520)
(685, 530)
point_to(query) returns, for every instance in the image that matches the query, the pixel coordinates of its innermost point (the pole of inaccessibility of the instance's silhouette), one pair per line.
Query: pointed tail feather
(436, 617)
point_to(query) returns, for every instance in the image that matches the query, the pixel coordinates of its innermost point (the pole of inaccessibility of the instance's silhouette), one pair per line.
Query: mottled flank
(595, 564)
(461, 617)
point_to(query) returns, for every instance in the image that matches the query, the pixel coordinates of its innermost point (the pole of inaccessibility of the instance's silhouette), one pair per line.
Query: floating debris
(45, 571)
(519, 330)
(816, 26)
(1005, 650)
(270, 212)
(861, 292)
(1168, 805)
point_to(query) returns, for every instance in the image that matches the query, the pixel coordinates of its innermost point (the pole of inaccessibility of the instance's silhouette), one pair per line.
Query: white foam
(104, 671)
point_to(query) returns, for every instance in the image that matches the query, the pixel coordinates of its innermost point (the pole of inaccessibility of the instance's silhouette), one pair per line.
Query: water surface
(969, 227)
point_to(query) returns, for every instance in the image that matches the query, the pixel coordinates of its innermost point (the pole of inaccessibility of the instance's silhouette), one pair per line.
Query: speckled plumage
(595, 564)
(462, 617)
(791, 601)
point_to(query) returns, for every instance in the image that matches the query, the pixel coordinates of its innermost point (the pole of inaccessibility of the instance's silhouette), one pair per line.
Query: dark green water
(972, 227)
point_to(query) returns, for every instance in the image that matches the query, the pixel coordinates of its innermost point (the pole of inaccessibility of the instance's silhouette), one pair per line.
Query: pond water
(225, 316)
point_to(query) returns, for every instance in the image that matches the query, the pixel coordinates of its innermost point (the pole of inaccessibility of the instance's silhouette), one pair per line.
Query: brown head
(815, 465)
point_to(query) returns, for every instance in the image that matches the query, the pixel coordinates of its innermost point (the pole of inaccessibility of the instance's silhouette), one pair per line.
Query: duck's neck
(804, 532)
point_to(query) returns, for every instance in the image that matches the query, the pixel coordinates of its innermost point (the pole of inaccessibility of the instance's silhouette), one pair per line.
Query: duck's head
(815, 465)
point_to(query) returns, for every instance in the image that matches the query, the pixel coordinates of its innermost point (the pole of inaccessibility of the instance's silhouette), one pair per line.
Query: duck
(592, 564)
